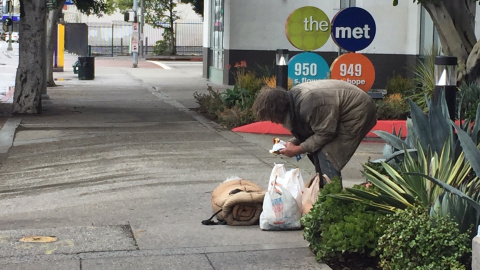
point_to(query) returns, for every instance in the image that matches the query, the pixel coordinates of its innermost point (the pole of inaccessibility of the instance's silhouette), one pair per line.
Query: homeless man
(329, 119)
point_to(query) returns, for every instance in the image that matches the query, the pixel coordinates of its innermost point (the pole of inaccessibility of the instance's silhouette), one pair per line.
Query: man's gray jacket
(332, 116)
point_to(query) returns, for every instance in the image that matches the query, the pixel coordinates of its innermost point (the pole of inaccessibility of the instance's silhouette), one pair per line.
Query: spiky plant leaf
(456, 192)
(384, 183)
(476, 126)
(394, 202)
(365, 194)
(400, 153)
(469, 148)
(391, 139)
(439, 124)
(420, 125)
(409, 198)
(385, 209)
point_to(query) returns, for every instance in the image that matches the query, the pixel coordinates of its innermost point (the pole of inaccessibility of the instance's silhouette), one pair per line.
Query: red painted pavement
(267, 127)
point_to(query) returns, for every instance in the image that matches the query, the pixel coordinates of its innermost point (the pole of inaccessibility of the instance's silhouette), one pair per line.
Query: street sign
(134, 37)
(306, 67)
(15, 17)
(354, 68)
(134, 43)
(52, 4)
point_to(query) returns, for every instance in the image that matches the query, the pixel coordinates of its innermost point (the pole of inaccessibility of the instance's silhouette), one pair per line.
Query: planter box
(476, 253)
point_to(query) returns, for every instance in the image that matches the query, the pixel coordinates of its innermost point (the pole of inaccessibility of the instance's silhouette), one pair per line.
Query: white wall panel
(260, 25)
(398, 27)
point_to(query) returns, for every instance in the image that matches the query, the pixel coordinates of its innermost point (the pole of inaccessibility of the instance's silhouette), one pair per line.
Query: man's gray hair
(271, 104)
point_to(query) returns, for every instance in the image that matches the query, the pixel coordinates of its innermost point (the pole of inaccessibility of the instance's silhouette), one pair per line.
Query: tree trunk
(455, 21)
(30, 80)
(172, 18)
(52, 20)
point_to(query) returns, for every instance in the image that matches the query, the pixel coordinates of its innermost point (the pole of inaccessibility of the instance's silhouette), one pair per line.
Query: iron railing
(114, 39)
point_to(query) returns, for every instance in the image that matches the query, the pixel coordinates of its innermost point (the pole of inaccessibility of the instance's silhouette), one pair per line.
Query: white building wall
(398, 30)
(260, 25)
(207, 21)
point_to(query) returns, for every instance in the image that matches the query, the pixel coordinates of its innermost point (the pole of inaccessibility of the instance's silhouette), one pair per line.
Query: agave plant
(460, 204)
(431, 130)
(445, 180)
(404, 186)
(425, 78)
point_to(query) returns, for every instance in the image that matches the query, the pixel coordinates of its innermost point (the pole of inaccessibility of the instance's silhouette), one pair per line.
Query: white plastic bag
(278, 173)
(293, 182)
(282, 205)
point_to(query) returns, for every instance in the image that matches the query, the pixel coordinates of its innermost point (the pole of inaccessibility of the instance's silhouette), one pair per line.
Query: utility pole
(135, 34)
(142, 24)
(10, 9)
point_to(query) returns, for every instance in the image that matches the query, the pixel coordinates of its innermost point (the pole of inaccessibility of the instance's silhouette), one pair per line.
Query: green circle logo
(308, 28)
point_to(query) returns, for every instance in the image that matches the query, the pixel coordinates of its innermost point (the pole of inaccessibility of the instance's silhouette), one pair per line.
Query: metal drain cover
(67, 240)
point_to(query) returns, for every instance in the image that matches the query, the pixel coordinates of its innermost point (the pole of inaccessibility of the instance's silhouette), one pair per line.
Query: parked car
(14, 36)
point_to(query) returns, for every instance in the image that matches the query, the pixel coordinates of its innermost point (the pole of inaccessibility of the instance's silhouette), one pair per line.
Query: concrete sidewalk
(121, 172)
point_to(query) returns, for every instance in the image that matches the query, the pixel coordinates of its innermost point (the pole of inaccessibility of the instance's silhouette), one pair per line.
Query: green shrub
(232, 107)
(468, 99)
(234, 117)
(424, 79)
(392, 107)
(337, 229)
(414, 240)
(249, 81)
(399, 85)
(240, 97)
(209, 103)
(395, 106)
(163, 47)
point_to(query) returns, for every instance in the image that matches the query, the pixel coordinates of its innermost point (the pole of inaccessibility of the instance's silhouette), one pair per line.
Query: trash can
(86, 68)
(75, 67)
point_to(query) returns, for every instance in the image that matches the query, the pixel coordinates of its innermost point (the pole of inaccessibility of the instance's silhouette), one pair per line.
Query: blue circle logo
(306, 67)
(353, 29)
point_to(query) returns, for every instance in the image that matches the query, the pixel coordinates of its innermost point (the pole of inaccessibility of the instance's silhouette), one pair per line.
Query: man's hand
(291, 150)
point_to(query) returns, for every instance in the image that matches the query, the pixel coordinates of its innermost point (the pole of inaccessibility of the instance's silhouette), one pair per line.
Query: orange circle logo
(354, 68)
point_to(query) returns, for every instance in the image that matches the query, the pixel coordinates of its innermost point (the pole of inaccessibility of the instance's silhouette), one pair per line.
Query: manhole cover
(66, 240)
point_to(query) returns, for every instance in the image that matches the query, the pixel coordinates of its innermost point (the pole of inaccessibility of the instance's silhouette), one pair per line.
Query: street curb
(174, 58)
(201, 119)
(7, 133)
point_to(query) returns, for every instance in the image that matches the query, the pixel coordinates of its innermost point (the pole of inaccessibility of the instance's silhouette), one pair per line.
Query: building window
(217, 37)
(347, 3)
(429, 41)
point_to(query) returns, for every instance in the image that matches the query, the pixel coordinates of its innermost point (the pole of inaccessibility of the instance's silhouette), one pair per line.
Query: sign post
(135, 34)
(135, 37)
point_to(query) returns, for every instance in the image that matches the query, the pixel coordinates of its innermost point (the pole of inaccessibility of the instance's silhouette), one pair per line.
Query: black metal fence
(115, 39)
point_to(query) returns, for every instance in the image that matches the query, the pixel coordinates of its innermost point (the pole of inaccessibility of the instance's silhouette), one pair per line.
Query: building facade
(252, 31)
